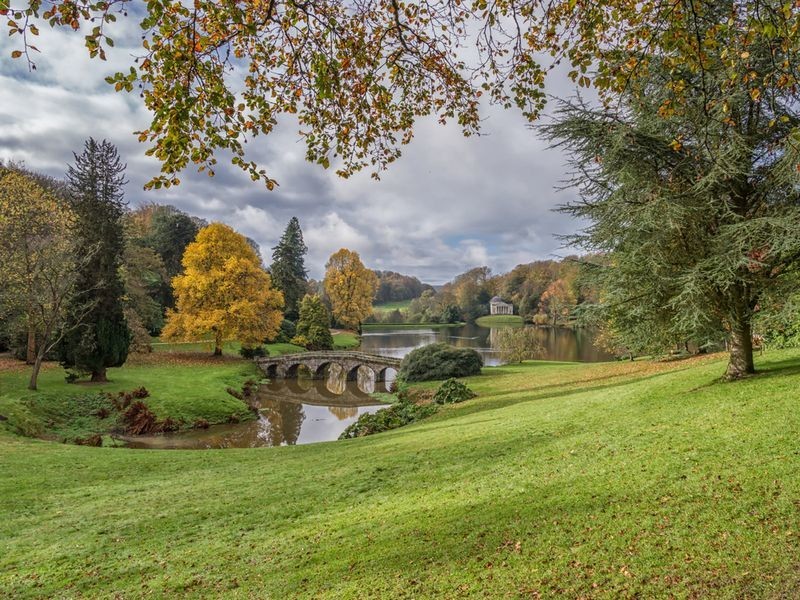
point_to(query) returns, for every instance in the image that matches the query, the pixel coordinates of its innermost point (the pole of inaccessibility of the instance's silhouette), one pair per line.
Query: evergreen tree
(698, 208)
(102, 338)
(313, 328)
(288, 270)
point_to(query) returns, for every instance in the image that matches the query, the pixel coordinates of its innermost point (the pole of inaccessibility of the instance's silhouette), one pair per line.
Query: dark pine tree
(101, 339)
(288, 269)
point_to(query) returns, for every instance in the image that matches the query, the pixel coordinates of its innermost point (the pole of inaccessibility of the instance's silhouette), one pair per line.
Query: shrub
(452, 391)
(319, 338)
(251, 353)
(201, 424)
(540, 319)
(169, 424)
(91, 440)
(140, 393)
(397, 415)
(138, 419)
(440, 361)
(71, 377)
(300, 340)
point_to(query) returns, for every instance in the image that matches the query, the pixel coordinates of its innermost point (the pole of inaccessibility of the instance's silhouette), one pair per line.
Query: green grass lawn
(345, 340)
(341, 340)
(185, 387)
(494, 320)
(229, 348)
(618, 480)
(384, 307)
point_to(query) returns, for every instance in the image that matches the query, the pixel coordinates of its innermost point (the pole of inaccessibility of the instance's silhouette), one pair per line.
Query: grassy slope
(617, 480)
(492, 320)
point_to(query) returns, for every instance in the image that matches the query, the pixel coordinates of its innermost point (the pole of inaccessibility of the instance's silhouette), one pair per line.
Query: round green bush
(452, 391)
(440, 361)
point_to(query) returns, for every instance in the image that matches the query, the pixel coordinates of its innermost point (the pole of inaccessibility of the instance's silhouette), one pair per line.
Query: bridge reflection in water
(292, 411)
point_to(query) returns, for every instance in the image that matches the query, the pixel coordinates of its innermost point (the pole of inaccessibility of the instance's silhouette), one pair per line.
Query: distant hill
(395, 287)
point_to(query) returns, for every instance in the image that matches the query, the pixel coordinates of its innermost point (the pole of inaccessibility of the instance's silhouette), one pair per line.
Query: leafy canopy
(313, 328)
(223, 292)
(350, 287)
(356, 75)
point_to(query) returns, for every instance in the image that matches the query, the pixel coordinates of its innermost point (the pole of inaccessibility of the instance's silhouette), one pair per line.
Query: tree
(223, 292)
(557, 300)
(166, 231)
(144, 276)
(313, 328)
(472, 292)
(98, 338)
(357, 75)
(350, 287)
(695, 201)
(519, 343)
(288, 269)
(37, 260)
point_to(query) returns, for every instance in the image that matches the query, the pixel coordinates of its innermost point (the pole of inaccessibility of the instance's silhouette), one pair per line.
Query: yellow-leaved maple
(223, 292)
(350, 287)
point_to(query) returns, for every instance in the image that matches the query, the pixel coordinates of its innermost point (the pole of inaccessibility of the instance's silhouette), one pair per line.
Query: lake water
(558, 343)
(302, 411)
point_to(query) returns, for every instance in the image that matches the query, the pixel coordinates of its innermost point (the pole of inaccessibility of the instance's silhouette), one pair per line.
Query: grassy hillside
(616, 480)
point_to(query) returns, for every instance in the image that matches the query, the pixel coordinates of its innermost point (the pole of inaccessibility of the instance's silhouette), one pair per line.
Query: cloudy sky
(449, 204)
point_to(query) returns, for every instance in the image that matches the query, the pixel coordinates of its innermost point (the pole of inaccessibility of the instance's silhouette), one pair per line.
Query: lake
(302, 411)
(572, 345)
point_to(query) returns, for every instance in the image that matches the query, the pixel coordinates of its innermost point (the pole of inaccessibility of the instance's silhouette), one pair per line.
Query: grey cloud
(450, 203)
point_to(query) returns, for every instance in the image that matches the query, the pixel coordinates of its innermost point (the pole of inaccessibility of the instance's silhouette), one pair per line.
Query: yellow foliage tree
(223, 292)
(37, 261)
(350, 287)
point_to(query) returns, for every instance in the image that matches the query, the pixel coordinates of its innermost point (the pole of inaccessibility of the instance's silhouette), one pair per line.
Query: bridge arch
(288, 366)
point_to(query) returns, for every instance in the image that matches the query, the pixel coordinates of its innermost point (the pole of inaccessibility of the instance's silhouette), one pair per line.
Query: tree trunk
(218, 344)
(37, 365)
(30, 353)
(99, 376)
(740, 363)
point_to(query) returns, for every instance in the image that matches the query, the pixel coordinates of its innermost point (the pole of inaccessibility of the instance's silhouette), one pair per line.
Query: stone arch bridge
(287, 365)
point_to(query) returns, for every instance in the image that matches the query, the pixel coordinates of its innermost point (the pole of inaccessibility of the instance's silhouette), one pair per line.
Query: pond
(294, 411)
(559, 343)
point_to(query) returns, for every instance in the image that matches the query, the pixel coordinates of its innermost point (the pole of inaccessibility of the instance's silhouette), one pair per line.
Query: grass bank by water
(185, 387)
(401, 305)
(495, 320)
(373, 326)
(607, 480)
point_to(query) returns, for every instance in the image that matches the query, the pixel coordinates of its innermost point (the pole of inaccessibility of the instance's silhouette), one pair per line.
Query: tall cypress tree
(102, 338)
(288, 269)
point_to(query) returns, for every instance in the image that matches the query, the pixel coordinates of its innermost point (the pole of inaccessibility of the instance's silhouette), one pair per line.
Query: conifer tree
(695, 200)
(288, 270)
(102, 338)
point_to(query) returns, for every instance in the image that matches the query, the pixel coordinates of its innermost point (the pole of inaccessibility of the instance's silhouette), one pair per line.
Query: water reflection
(559, 343)
(292, 411)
